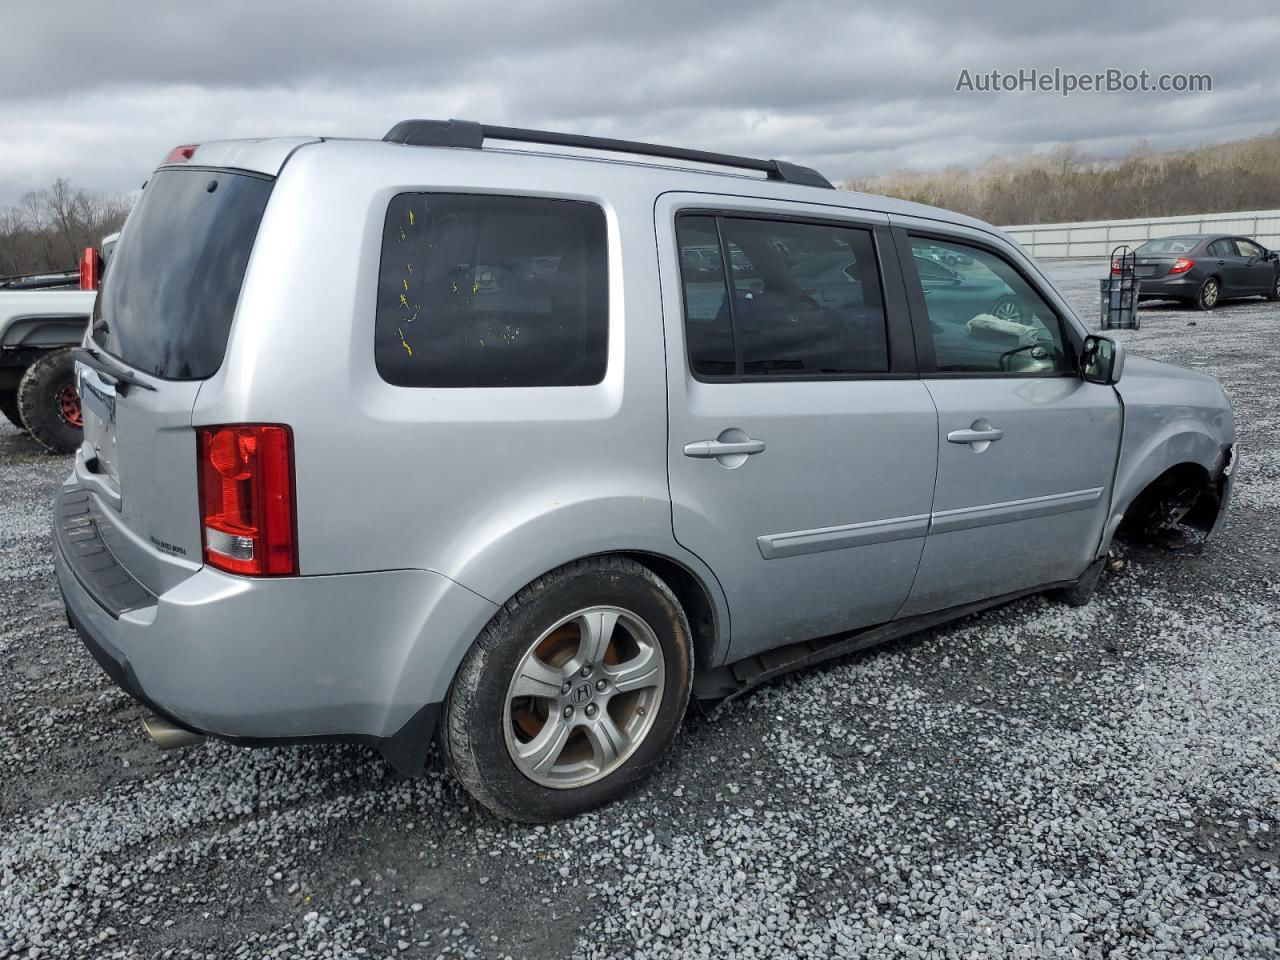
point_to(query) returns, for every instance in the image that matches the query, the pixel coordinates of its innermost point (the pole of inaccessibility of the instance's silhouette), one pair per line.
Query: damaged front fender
(1184, 494)
(1223, 498)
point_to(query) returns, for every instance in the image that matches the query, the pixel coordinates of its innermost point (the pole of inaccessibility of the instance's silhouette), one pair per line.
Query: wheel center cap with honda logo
(581, 694)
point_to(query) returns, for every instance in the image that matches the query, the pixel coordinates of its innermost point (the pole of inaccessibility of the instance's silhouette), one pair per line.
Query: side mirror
(1027, 359)
(1101, 360)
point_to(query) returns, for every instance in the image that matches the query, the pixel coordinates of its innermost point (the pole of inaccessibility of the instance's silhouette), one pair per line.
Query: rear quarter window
(492, 291)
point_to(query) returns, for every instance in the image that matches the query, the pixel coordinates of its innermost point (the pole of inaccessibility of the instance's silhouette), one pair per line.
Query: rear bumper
(363, 657)
(1175, 288)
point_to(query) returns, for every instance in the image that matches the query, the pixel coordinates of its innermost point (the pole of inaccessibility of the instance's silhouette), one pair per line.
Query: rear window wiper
(122, 378)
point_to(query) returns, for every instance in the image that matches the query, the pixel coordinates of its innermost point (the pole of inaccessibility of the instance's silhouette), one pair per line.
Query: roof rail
(468, 133)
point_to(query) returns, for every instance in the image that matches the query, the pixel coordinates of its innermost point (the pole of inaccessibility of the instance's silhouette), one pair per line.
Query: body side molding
(1007, 511)
(796, 543)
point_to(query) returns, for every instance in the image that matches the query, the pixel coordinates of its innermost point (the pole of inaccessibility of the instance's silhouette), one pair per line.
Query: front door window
(983, 316)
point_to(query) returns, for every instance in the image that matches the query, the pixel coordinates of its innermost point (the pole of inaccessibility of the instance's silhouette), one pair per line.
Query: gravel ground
(1034, 781)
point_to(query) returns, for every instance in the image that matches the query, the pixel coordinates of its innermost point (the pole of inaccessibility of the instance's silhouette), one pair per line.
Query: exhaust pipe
(169, 736)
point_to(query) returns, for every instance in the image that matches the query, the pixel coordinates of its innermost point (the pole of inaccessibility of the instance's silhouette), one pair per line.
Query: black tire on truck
(49, 404)
(9, 407)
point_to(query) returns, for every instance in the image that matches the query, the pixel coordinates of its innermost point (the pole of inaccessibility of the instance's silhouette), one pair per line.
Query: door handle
(975, 436)
(707, 449)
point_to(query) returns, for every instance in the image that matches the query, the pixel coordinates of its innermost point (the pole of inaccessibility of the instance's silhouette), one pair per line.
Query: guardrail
(1097, 238)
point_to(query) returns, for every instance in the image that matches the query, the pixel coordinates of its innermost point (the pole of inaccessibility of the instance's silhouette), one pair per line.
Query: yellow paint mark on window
(406, 284)
(411, 217)
(475, 286)
(404, 301)
(404, 343)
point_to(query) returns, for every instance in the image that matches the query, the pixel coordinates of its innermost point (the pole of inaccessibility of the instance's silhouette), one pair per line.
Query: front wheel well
(1185, 493)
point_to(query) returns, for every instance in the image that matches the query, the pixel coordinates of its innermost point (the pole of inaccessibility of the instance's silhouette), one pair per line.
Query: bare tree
(1065, 184)
(47, 229)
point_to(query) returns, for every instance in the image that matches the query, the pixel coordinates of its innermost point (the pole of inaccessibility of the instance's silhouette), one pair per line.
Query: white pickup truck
(42, 317)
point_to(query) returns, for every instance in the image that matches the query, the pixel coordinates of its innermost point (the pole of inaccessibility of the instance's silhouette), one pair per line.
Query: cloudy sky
(99, 92)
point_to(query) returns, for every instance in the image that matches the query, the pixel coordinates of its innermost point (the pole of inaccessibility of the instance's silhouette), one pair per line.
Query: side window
(488, 291)
(984, 317)
(799, 300)
(1248, 249)
(708, 331)
(1222, 248)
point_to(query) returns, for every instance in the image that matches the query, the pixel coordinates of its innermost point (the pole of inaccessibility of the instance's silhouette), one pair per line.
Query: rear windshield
(167, 302)
(1168, 245)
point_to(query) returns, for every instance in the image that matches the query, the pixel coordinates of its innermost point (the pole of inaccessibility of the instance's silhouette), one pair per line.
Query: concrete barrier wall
(1097, 238)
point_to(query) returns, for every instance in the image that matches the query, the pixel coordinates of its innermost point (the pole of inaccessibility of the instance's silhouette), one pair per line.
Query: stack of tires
(45, 403)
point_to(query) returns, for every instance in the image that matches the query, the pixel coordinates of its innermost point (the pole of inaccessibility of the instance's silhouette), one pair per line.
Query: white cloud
(844, 89)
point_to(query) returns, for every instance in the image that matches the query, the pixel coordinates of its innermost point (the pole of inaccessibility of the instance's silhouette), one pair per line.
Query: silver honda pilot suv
(461, 434)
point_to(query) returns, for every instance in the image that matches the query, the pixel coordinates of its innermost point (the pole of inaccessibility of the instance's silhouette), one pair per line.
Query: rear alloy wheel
(575, 716)
(1209, 295)
(9, 407)
(572, 692)
(49, 403)
(1274, 293)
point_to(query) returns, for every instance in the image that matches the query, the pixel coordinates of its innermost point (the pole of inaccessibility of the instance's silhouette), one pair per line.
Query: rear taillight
(90, 269)
(181, 154)
(1182, 265)
(247, 500)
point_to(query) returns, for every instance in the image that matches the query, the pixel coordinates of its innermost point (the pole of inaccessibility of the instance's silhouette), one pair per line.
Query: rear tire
(9, 407)
(490, 731)
(48, 402)
(1209, 295)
